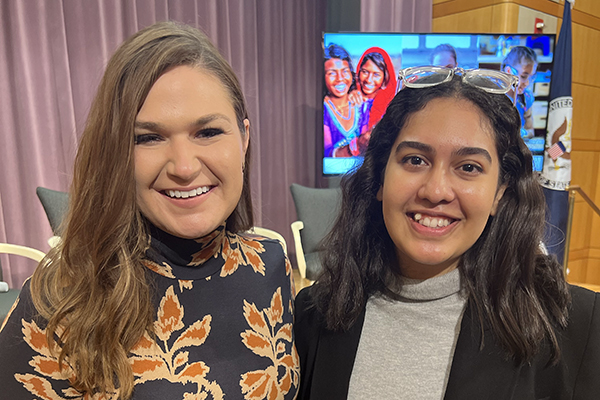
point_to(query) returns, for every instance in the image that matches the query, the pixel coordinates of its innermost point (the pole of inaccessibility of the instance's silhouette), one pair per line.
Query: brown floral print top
(223, 327)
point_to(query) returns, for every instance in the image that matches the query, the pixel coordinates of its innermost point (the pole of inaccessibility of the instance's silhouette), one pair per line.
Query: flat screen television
(356, 93)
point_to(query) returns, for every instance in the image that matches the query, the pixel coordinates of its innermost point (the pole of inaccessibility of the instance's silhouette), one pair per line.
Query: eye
(147, 138)
(471, 168)
(413, 160)
(209, 132)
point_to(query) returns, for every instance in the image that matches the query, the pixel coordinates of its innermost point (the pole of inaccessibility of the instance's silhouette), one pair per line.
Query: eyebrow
(463, 151)
(157, 127)
(473, 151)
(415, 145)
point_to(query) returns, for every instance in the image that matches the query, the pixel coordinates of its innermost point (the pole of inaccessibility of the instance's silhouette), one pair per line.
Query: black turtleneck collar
(185, 258)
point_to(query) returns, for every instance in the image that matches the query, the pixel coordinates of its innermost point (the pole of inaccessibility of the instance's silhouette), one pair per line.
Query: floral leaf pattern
(238, 250)
(185, 284)
(170, 316)
(152, 361)
(163, 269)
(210, 246)
(269, 338)
(46, 365)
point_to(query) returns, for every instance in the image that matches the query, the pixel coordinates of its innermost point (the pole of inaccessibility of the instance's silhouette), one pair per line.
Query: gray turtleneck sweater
(406, 346)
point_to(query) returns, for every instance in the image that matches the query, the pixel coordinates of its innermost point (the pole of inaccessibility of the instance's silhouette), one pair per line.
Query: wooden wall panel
(586, 113)
(505, 18)
(591, 7)
(585, 55)
(478, 20)
(580, 233)
(582, 163)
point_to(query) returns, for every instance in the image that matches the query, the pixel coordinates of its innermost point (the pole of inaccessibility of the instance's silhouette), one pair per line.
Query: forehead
(449, 123)
(336, 63)
(444, 55)
(186, 90)
(525, 65)
(370, 65)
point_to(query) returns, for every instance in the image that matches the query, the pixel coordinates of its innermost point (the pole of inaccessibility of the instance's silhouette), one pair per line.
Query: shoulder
(22, 308)
(580, 342)
(308, 321)
(585, 306)
(268, 249)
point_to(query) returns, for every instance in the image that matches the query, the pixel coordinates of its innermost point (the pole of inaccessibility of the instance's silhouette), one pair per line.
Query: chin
(192, 232)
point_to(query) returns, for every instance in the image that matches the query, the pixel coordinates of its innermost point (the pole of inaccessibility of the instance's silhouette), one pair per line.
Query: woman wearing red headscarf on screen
(376, 81)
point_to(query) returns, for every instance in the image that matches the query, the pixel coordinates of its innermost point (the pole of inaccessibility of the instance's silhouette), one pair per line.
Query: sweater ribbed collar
(429, 289)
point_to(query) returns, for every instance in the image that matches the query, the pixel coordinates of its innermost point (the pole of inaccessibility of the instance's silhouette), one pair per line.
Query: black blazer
(327, 358)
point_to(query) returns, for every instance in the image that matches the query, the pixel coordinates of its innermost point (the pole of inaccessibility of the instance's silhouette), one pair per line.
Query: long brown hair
(92, 288)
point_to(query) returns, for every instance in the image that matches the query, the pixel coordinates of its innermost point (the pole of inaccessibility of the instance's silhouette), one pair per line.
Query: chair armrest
(24, 251)
(297, 226)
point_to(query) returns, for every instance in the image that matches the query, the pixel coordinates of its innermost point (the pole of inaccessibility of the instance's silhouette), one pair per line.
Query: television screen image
(360, 79)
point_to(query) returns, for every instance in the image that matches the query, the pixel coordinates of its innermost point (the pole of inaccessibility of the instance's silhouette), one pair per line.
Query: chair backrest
(55, 205)
(317, 209)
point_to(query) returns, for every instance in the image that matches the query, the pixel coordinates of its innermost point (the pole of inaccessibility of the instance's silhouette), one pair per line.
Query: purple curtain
(395, 15)
(53, 53)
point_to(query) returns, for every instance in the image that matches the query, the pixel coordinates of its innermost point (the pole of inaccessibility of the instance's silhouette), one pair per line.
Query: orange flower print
(153, 360)
(210, 244)
(45, 364)
(269, 338)
(163, 269)
(238, 250)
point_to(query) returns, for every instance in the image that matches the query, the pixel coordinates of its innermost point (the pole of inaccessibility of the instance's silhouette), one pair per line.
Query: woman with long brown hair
(155, 291)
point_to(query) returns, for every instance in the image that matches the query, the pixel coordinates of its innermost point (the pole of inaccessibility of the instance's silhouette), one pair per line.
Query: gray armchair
(317, 210)
(55, 205)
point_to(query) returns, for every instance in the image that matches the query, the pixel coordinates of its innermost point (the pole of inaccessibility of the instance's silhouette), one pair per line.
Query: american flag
(557, 150)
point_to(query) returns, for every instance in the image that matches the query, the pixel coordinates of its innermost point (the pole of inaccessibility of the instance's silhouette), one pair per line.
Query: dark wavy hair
(512, 286)
(337, 51)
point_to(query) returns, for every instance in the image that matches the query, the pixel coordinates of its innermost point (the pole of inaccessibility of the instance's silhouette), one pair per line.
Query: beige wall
(504, 16)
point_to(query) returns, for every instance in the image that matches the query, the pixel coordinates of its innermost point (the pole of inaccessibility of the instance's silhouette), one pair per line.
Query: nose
(183, 160)
(437, 186)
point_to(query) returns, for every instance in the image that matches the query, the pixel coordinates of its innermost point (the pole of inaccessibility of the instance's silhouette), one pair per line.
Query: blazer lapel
(334, 362)
(480, 374)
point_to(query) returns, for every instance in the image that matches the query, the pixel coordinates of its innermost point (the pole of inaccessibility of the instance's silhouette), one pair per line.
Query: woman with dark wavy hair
(156, 291)
(434, 285)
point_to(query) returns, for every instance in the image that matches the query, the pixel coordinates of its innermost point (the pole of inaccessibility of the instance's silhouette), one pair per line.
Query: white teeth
(178, 194)
(431, 222)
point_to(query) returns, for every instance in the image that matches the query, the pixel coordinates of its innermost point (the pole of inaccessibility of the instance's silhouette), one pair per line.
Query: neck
(339, 102)
(420, 271)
